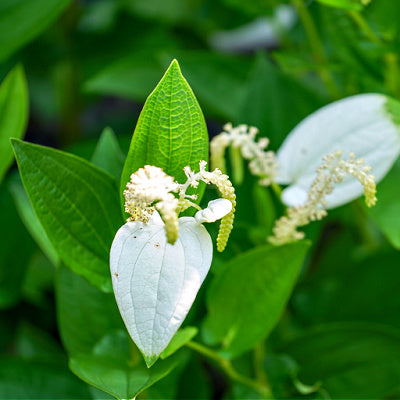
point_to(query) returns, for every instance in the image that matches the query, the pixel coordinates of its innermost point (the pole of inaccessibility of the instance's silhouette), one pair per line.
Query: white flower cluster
(332, 171)
(261, 163)
(150, 189)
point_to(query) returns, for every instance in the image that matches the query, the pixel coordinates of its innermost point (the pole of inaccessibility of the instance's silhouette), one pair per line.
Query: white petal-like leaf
(216, 209)
(366, 124)
(155, 283)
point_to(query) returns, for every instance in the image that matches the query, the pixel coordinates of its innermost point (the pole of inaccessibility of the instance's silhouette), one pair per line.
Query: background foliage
(84, 65)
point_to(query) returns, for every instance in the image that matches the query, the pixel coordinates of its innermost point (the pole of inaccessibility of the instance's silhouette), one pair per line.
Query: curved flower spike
(365, 124)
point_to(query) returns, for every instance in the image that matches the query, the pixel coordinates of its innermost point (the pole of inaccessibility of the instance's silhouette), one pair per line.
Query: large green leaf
(13, 113)
(344, 288)
(23, 20)
(271, 94)
(352, 360)
(110, 369)
(246, 299)
(386, 212)
(84, 313)
(38, 379)
(16, 248)
(77, 205)
(171, 132)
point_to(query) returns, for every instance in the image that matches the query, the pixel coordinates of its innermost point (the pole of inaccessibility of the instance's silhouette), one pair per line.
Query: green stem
(227, 367)
(259, 370)
(317, 47)
(277, 190)
(362, 24)
(392, 74)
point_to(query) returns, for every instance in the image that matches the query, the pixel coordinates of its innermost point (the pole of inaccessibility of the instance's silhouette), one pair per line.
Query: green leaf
(351, 5)
(344, 288)
(108, 155)
(386, 212)
(352, 360)
(31, 221)
(38, 379)
(181, 337)
(77, 205)
(16, 249)
(271, 93)
(132, 77)
(13, 113)
(84, 313)
(171, 132)
(110, 369)
(246, 299)
(23, 20)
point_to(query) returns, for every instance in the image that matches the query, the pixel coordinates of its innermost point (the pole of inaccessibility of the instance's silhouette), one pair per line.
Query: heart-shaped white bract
(363, 124)
(155, 283)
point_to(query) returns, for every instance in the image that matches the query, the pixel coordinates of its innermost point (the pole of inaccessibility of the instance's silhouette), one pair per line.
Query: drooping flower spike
(331, 172)
(159, 261)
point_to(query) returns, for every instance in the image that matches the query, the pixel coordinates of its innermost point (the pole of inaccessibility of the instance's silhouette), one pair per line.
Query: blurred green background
(268, 63)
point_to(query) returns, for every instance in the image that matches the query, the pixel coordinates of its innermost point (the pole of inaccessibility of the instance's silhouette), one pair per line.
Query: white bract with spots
(158, 263)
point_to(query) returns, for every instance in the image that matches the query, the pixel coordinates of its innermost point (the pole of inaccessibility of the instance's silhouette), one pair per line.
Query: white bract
(361, 124)
(156, 279)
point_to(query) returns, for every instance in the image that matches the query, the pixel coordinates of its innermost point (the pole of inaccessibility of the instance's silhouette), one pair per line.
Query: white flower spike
(156, 279)
(363, 124)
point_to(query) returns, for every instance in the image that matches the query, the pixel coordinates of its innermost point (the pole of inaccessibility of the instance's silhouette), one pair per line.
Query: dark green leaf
(171, 132)
(246, 300)
(38, 379)
(386, 212)
(344, 289)
(77, 205)
(352, 360)
(132, 77)
(108, 155)
(23, 20)
(16, 249)
(110, 369)
(31, 221)
(13, 113)
(271, 93)
(84, 313)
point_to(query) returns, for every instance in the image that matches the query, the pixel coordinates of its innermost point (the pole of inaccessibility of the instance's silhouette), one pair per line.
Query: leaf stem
(362, 24)
(227, 367)
(317, 48)
(277, 190)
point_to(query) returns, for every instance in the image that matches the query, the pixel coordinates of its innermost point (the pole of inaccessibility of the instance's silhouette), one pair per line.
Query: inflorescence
(150, 189)
(332, 171)
(261, 163)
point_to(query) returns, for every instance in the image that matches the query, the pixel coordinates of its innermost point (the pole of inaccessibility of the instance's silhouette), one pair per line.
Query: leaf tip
(150, 360)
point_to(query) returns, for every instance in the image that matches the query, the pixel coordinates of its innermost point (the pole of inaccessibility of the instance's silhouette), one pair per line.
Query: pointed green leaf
(108, 155)
(13, 114)
(181, 337)
(246, 300)
(109, 368)
(77, 205)
(23, 20)
(171, 132)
